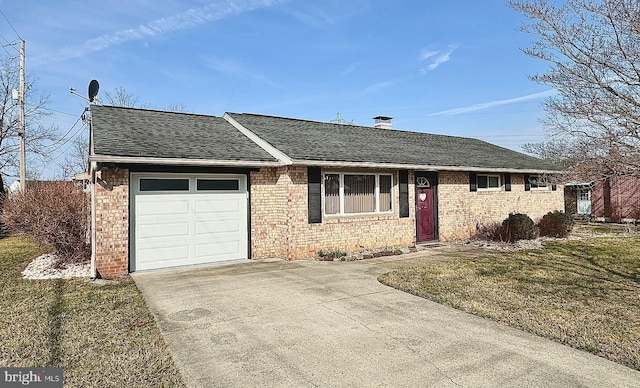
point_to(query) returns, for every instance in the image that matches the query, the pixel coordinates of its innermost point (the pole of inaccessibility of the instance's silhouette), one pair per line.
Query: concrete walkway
(311, 323)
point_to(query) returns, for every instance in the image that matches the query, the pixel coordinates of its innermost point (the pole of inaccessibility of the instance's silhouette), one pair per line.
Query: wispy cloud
(437, 57)
(350, 68)
(231, 68)
(378, 86)
(490, 104)
(190, 18)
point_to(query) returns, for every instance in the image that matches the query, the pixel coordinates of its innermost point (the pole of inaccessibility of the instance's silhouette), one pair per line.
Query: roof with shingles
(303, 140)
(133, 132)
(144, 133)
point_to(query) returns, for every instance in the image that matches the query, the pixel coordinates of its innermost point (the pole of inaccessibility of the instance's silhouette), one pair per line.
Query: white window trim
(546, 187)
(341, 175)
(489, 188)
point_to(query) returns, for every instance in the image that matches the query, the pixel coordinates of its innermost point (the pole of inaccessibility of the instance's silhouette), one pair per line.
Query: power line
(62, 139)
(74, 137)
(57, 111)
(10, 25)
(9, 44)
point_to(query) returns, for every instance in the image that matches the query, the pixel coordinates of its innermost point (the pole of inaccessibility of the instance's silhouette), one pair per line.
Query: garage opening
(187, 219)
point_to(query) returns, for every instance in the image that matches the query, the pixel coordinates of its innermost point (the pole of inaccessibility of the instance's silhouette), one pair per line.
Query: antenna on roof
(340, 120)
(92, 91)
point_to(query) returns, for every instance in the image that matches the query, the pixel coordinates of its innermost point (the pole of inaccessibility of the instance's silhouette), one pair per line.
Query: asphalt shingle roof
(317, 141)
(143, 133)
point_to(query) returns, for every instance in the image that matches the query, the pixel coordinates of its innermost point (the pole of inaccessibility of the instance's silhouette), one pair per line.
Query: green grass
(101, 335)
(583, 293)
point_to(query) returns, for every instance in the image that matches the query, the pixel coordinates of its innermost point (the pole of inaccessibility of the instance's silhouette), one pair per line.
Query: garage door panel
(218, 227)
(164, 229)
(218, 205)
(176, 229)
(158, 256)
(228, 249)
(150, 207)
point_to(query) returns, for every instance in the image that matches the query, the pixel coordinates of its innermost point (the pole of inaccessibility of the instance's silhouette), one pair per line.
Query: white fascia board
(273, 151)
(421, 167)
(181, 162)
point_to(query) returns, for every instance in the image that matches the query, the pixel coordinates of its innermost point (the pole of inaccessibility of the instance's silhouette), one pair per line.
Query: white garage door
(187, 219)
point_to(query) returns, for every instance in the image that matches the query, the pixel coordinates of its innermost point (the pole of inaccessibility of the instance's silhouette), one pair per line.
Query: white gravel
(42, 268)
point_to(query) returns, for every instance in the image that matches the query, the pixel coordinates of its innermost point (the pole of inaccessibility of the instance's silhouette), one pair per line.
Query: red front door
(426, 219)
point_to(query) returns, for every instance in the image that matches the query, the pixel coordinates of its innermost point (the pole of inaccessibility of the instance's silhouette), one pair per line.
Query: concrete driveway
(310, 323)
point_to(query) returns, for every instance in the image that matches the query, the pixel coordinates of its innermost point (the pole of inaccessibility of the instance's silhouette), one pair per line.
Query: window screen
(359, 193)
(385, 193)
(332, 194)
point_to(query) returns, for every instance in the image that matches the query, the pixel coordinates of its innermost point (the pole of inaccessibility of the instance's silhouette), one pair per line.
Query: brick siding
(112, 223)
(621, 201)
(279, 215)
(461, 211)
(297, 239)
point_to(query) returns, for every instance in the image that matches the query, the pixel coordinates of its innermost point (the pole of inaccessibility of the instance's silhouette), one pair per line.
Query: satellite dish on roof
(93, 89)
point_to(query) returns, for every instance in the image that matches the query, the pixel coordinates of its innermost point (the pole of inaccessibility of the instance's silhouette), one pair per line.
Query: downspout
(93, 167)
(94, 273)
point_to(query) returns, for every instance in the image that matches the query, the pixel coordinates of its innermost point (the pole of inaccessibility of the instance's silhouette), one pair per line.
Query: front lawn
(101, 335)
(583, 293)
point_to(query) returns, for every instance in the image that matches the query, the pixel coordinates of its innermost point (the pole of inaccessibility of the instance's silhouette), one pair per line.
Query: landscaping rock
(44, 267)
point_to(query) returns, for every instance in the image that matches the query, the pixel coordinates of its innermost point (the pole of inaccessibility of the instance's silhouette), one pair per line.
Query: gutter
(316, 163)
(423, 167)
(182, 161)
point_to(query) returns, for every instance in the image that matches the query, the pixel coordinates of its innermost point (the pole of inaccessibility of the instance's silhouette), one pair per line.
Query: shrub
(518, 227)
(555, 224)
(489, 232)
(51, 213)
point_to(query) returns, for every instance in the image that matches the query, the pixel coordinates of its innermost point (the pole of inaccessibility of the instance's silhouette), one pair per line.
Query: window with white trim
(488, 182)
(537, 182)
(357, 193)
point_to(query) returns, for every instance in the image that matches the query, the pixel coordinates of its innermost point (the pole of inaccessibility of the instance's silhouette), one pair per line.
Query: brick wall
(618, 199)
(112, 223)
(269, 198)
(279, 216)
(461, 210)
(297, 239)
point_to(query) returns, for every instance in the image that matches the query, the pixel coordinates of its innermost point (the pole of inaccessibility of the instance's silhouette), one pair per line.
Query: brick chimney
(382, 122)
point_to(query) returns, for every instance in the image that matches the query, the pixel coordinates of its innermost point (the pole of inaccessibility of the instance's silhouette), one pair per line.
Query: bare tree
(121, 97)
(36, 134)
(593, 48)
(77, 159)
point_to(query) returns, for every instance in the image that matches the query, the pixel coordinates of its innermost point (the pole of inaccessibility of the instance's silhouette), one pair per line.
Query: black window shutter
(527, 184)
(507, 182)
(314, 188)
(473, 182)
(554, 187)
(403, 188)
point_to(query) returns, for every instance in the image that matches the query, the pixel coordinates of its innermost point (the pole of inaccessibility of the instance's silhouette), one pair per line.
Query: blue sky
(449, 67)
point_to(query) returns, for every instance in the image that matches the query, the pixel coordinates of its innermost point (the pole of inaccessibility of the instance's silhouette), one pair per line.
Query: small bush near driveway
(583, 293)
(101, 335)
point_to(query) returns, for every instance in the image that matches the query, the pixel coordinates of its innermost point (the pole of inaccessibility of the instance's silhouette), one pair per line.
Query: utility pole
(23, 174)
